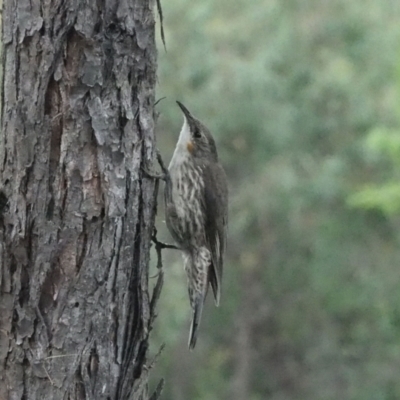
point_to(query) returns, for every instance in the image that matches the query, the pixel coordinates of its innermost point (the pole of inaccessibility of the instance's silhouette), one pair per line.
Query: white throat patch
(184, 136)
(181, 152)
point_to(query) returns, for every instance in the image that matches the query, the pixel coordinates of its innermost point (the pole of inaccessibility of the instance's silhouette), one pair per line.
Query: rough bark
(77, 213)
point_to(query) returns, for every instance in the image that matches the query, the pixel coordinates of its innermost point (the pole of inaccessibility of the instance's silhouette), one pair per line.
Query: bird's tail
(194, 327)
(196, 265)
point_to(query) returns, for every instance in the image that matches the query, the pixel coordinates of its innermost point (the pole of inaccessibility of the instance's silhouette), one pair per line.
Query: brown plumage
(196, 203)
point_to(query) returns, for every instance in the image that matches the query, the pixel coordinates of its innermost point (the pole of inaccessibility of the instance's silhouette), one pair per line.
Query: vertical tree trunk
(76, 211)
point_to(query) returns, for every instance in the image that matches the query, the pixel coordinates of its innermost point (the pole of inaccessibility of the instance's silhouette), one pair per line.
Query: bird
(196, 208)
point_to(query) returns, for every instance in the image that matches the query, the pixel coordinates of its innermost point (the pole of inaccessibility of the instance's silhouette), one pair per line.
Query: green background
(303, 98)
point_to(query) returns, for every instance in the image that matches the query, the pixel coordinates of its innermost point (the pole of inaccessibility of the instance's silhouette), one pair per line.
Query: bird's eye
(196, 133)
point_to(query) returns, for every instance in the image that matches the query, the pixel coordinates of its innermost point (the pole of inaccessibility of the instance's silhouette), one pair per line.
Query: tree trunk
(77, 213)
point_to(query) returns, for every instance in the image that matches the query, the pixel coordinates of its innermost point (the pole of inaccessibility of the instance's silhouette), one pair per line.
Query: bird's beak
(189, 117)
(184, 110)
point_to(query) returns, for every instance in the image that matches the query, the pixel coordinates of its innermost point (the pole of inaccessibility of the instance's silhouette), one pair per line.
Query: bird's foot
(161, 245)
(164, 171)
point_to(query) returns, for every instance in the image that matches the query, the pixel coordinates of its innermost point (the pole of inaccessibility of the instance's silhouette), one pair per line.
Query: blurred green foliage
(382, 145)
(304, 101)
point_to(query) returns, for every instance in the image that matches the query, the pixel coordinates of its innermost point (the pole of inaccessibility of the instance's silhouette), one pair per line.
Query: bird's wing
(216, 212)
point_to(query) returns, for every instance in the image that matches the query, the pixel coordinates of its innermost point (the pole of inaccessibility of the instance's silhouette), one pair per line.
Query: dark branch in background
(159, 246)
(157, 288)
(157, 393)
(162, 165)
(166, 178)
(156, 113)
(153, 175)
(159, 100)
(160, 13)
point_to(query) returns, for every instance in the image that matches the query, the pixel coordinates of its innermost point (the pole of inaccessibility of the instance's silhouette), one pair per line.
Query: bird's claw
(161, 245)
(153, 175)
(164, 174)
